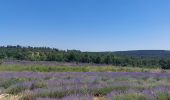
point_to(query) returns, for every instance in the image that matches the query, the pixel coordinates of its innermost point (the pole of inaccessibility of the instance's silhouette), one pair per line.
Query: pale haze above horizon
(87, 25)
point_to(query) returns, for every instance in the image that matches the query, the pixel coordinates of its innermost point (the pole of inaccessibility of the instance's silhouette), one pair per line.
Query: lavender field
(84, 86)
(84, 50)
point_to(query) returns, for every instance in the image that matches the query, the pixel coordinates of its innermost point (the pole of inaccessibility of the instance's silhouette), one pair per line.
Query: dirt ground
(8, 97)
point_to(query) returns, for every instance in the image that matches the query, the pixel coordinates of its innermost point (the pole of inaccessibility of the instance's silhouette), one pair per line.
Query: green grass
(41, 68)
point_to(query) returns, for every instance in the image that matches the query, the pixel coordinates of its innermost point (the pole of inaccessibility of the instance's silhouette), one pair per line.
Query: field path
(8, 97)
(99, 98)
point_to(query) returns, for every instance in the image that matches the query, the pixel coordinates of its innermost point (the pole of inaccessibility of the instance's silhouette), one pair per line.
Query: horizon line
(84, 50)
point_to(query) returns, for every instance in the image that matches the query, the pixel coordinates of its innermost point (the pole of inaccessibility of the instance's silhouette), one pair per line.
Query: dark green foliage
(101, 91)
(165, 64)
(1, 62)
(163, 96)
(36, 85)
(53, 94)
(145, 53)
(129, 58)
(106, 90)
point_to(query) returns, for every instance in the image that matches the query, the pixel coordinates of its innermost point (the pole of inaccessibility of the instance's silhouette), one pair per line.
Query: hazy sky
(88, 25)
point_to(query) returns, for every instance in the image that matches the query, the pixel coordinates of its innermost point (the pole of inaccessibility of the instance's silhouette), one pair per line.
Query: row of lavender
(85, 86)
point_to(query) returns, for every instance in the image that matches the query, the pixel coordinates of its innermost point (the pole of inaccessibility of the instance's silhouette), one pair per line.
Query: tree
(164, 64)
(85, 58)
(2, 55)
(108, 60)
(52, 54)
(71, 57)
(98, 60)
(1, 61)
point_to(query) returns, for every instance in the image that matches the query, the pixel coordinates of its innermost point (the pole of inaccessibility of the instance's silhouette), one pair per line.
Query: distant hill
(145, 53)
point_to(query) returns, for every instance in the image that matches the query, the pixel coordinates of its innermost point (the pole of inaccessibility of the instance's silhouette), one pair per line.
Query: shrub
(163, 96)
(52, 94)
(36, 85)
(130, 97)
(105, 90)
(102, 91)
(15, 89)
(7, 83)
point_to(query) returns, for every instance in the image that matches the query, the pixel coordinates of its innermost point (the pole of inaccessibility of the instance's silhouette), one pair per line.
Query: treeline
(53, 54)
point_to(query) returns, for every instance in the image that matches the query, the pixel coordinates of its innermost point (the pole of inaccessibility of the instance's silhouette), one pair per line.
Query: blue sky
(87, 25)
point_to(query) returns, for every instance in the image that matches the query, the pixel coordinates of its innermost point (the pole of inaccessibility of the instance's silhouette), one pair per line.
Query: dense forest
(146, 58)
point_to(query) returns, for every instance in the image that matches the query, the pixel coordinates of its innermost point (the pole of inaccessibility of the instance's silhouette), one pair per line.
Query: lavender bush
(87, 85)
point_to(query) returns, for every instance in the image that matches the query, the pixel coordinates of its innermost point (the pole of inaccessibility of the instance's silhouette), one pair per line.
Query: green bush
(163, 96)
(36, 85)
(15, 89)
(52, 94)
(106, 90)
(131, 97)
(7, 83)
